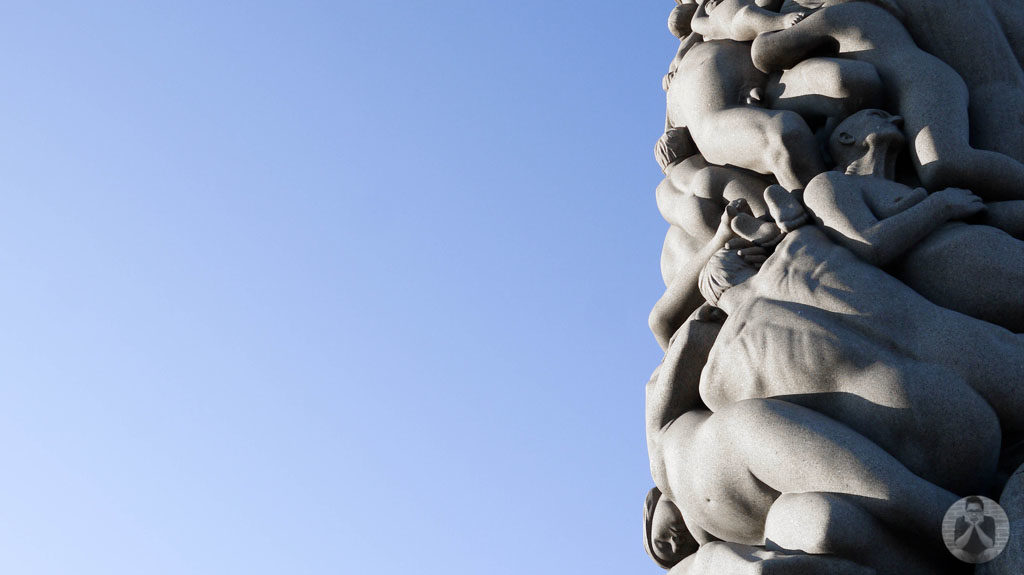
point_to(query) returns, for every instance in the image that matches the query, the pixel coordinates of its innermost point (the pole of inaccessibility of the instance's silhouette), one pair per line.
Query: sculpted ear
(845, 138)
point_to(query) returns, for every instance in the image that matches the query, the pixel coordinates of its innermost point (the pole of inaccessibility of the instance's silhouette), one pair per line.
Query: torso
(713, 486)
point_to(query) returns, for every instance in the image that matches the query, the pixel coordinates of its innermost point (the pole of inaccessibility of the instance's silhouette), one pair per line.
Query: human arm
(783, 49)
(962, 532)
(682, 296)
(986, 529)
(839, 206)
(674, 388)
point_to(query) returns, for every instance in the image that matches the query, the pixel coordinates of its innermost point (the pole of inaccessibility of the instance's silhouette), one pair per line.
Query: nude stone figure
(978, 39)
(825, 87)
(730, 474)
(819, 326)
(740, 20)
(694, 193)
(711, 95)
(931, 96)
(691, 198)
(974, 269)
(666, 539)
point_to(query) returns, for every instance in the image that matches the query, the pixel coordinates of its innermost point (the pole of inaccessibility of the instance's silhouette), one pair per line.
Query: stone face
(843, 318)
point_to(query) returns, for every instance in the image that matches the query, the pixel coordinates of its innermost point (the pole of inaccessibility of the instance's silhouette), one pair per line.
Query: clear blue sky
(327, 287)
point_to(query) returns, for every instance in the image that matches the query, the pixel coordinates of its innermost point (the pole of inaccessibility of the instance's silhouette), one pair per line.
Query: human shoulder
(826, 180)
(823, 188)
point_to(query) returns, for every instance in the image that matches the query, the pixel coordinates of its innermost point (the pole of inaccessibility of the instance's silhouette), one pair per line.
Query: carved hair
(675, 145)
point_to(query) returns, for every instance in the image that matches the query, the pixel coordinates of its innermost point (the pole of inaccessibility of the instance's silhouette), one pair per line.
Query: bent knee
(807, 522)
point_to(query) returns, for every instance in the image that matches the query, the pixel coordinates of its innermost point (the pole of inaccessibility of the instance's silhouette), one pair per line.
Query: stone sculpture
(843, 326)
(974, 269)
(931, 96)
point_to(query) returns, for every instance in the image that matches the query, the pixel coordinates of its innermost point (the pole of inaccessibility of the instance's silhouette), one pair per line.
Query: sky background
(327, 287)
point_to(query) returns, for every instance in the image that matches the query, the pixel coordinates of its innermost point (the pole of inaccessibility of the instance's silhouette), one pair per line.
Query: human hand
(959, 203)
(784, 208)
(733, 209)
(751, 253)
(790, 20)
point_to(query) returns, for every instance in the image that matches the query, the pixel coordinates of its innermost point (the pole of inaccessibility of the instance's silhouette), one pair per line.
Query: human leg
(975, 270)
(832, 458)
(934, 108)
(765, 141)
(828, 523)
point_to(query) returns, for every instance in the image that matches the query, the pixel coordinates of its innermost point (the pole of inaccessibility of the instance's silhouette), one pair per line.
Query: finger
(755, 260)
(737, 243)
(753, 251)
(741, 204)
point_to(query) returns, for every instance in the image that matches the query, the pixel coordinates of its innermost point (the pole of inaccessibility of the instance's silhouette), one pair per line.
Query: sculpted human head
(859, 133)
(666, 538)
(679, 19)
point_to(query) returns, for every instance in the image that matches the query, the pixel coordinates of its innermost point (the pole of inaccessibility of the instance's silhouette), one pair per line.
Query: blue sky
(327, 287)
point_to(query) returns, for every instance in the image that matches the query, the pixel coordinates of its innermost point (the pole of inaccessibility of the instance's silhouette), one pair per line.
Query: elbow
(760, 53)
(659, 327)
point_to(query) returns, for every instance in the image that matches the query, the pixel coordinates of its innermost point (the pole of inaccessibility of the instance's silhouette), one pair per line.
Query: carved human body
(974, 269)
(981, 41)
(692, 198)
(823, 328)
(694, 192)
(726, 470)
(740, 20)
(708, 95)
(731, 474)
(929, 94)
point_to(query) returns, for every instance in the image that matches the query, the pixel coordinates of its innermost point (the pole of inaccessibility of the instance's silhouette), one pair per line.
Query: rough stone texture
(844, 275)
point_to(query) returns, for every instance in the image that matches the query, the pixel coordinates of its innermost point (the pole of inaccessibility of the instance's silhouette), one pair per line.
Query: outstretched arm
(839, 207)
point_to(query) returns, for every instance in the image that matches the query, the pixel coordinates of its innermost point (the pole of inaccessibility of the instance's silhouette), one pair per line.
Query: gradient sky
(327, 287)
